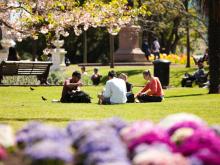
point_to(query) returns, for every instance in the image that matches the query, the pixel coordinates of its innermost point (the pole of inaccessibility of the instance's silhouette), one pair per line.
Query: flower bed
(174, 58)
(179, 139)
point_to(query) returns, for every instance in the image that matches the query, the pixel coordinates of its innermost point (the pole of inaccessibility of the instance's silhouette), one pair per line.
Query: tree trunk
(85, 47)
(34, 49)
(214, 47)
(111, 43)
(187, 36)
(0, 36)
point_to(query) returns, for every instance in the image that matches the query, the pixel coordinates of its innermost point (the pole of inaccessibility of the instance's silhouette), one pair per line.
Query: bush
(20, 80)
(56, 78)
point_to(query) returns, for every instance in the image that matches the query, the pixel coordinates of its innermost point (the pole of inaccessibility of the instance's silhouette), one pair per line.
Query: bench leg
(43, 78)
(1, 78)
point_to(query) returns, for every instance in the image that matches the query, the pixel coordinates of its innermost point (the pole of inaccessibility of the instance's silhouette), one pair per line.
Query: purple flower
(115, 123)
(49, 150)
(35, 132)
(77, 129)
(100, 144)
(105, 157)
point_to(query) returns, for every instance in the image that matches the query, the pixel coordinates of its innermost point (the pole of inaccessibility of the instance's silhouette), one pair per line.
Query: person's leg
(158, 55)
(146, 98)
(183, 82)
(106, 101)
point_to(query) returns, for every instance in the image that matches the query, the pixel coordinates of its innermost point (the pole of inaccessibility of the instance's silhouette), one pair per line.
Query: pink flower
(3, 153)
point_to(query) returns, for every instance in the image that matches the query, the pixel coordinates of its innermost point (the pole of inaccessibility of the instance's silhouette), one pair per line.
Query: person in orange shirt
(153, 91)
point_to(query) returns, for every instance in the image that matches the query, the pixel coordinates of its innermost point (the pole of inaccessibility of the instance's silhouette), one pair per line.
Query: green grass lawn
(18, 105)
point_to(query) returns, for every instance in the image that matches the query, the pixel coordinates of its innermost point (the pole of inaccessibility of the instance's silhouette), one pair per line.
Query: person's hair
(147, 73)
(111, 74)
(83, 68)
(77, 74)
(123, 76)
(96, 69)
(12, 54)
(200, 64)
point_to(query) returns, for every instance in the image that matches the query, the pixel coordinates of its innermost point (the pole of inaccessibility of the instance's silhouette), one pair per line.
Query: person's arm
(71, 85)
(143, 91)
(107, 92)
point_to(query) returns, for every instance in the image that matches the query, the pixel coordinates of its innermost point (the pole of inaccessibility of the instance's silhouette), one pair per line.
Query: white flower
(44, 30)
(7, 138)
(171, 120)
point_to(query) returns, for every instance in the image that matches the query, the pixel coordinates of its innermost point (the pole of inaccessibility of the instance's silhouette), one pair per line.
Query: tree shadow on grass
(188, 95)
(36, 119)
(128, 72)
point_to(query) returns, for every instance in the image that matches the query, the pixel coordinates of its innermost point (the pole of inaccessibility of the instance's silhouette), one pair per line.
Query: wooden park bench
(27, 68)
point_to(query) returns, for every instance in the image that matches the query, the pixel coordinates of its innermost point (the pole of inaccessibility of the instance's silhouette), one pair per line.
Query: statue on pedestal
(129, 46)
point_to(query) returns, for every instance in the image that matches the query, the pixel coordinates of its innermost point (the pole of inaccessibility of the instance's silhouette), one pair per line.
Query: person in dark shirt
(129, 86)
(12, 55)
(199, 76)
(124, 77)
(71, 85)
(146, 49)
(96, 77)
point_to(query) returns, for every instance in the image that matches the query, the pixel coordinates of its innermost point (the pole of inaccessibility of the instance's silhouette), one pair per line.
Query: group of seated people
(95, 78)
(117, 89)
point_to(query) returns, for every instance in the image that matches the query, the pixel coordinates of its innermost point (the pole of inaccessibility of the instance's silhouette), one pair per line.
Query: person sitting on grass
(85, 79)
(130, 95)
(153, 91)
(71, 85)
(115, 91)
(96, 77)
(200, 77)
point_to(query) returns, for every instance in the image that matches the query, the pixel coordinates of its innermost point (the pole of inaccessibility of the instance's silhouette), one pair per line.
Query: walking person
(156, 49)
(146, 49)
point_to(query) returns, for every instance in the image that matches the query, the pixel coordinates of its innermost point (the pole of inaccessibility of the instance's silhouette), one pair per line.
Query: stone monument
(6, 44)
(58, 55)
(129, 45)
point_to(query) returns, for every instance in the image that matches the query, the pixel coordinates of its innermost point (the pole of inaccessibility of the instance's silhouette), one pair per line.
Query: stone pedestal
(3, 55)
(129, 46)
(58, 57)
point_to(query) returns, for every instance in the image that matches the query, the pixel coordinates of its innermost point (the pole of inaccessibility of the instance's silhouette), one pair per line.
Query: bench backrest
(23, 67)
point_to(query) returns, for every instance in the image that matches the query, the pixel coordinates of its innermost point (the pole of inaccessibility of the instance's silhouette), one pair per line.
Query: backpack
(76, 97)
(130, 97)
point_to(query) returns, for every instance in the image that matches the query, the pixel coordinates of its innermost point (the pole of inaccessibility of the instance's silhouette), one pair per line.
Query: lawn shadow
(35, 119)
(128, 72)
(188, 95)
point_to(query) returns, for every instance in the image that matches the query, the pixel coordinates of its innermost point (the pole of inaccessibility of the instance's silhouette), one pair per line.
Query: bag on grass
(130, 97)
(76, 97)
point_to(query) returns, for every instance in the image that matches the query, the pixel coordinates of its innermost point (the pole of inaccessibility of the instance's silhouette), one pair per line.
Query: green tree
(212, 9)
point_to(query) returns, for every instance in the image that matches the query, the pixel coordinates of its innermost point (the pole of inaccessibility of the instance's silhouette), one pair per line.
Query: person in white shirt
(115, 91)
(156, 49)
(85, 77)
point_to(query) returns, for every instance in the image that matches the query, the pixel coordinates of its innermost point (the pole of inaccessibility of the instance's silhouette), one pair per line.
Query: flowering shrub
(174, 58)
(180, 139)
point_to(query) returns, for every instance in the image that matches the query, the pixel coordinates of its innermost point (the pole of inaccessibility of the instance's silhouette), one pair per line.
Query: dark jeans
(146, 98)
(156, 55)
(187, 81)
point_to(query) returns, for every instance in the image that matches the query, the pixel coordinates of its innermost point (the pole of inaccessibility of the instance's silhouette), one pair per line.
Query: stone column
(129, 46)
